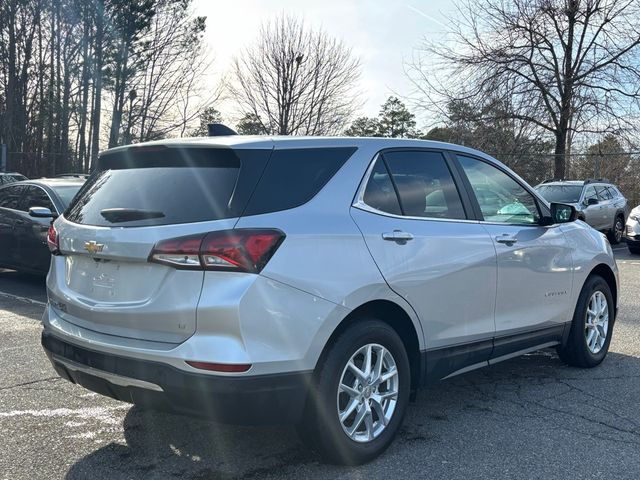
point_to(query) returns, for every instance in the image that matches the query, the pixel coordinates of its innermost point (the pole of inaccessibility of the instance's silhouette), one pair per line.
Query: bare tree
(296, 80)
(566, 66)
(169, 94)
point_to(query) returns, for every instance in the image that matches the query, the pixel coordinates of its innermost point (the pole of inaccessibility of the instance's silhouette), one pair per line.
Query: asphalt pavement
(530, 417)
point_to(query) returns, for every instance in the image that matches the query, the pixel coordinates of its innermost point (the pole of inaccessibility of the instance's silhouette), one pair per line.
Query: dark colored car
(23, 233)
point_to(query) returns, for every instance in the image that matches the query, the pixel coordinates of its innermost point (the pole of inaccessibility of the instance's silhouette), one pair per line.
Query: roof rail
(596, 180)
(219, 130)
(549, 180)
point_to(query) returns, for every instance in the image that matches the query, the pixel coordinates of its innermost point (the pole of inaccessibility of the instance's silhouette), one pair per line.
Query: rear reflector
(243, 250)
(221, 367)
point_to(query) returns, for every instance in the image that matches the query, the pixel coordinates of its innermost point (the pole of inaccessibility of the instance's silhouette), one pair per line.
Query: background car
(632, 231)
(23, 234)
(598, 202)
(10, 177)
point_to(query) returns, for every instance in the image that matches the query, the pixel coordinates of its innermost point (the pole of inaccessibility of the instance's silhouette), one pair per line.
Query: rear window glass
(293, 177)
(163, 186)
(560, 193)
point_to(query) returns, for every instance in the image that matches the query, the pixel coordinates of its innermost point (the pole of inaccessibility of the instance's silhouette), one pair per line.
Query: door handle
(506, 239)
(397, 236)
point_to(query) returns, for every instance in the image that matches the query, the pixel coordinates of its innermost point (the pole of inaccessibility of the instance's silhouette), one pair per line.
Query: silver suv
(597, 202)
(319, 281)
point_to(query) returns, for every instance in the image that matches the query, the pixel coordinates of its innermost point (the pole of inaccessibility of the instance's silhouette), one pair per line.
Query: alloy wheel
(618, 230)
(367, 393)
(596, 322)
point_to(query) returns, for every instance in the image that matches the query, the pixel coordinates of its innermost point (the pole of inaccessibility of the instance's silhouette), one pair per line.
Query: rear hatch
(103, 280)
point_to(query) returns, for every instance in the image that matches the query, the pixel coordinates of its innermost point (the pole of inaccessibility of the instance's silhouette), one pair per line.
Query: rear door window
(10, 197)
(162, 186)
(603, 193)
(425, 184)
(379, 192)
(36, 197)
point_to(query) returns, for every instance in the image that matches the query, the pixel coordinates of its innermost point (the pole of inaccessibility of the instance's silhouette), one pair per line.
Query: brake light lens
(53, 241)
(240, 250)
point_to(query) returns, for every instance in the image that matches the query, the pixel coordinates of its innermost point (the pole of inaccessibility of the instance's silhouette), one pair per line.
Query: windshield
(67, 193)
(560, 193)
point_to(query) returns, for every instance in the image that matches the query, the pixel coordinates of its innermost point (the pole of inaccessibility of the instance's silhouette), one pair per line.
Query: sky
(381, 33)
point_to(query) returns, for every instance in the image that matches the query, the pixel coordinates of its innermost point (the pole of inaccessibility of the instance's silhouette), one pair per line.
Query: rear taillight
(53, 241)
(243, 250)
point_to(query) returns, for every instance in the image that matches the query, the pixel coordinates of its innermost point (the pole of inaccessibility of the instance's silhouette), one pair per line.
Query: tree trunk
(95, 134)
(118, 103)
(82, 148)
(560, 154)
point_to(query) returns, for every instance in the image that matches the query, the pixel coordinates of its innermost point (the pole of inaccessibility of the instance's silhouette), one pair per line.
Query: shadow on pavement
(533, 400)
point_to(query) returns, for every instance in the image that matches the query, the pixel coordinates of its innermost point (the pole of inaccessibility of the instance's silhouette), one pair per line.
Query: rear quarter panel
(324, 253)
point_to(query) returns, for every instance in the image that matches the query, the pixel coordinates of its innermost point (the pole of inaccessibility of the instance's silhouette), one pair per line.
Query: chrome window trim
(360, 204)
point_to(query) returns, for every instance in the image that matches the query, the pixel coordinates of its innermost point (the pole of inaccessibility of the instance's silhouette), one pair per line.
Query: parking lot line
(22, 299)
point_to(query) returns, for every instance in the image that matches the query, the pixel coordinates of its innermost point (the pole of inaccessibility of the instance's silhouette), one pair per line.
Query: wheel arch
(603, 270)
(397, 318)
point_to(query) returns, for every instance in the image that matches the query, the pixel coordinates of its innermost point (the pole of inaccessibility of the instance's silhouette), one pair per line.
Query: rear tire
(634, 250)
(591, 327)
(615, 234)
(372, 408)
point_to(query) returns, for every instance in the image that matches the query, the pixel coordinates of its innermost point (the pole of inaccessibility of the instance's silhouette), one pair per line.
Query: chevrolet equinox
(318, 281)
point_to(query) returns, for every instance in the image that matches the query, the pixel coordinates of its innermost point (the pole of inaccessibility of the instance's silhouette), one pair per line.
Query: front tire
(633, 249)
(360, 395)
(615, 234)
(592, 325)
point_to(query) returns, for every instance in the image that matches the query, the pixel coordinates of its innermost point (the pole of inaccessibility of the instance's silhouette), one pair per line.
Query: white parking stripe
(23, 299)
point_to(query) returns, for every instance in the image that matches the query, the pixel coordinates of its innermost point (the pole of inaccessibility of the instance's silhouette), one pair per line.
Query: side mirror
(561, 213)
(592, 201)
(41, 212)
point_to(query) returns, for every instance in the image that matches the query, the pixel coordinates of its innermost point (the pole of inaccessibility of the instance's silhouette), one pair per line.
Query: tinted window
(501, 198)
(36, 197)
(425, 185)
(160, 186)
(379, 193)
(10, 197)
(293, 177)
(560, 193)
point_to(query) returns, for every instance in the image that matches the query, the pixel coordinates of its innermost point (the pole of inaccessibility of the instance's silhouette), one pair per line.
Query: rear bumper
(263, 399)
(634, 241)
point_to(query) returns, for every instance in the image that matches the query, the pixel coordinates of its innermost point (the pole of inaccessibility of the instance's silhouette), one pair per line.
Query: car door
(418, 229)
(10, 216)
(607, 206)
(593, 214)
(534, 262)
(32, 232)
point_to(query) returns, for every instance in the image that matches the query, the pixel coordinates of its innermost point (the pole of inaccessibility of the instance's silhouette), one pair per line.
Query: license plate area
(111, 281)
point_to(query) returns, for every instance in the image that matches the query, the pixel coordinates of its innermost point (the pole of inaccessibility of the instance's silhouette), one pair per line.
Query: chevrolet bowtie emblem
(93, 246)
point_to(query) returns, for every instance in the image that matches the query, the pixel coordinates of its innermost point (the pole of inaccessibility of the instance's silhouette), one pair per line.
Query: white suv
(314, 280)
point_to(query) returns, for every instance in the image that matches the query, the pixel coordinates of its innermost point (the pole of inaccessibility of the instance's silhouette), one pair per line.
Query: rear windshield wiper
(116, 215)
